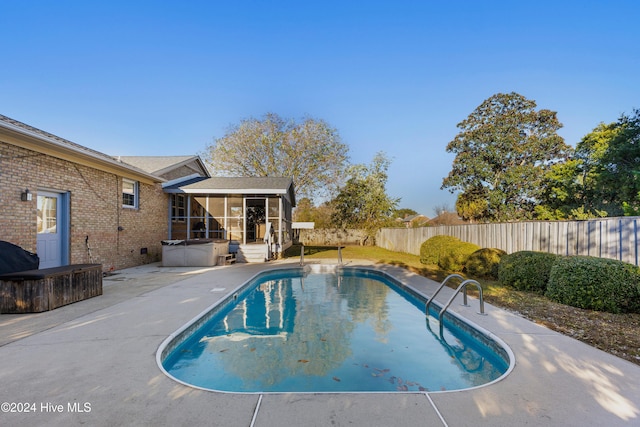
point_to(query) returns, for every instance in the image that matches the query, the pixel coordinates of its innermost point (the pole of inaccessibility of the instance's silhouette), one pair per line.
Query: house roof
(25, 136)
(159, 165)
(414, 217)
(447, 218)
(146, 169)
(235, 185)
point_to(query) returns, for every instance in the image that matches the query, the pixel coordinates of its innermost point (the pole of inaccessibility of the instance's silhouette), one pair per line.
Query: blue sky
(168, 77)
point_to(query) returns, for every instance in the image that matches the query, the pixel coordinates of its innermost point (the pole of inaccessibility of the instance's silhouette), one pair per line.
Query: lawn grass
(370, 253)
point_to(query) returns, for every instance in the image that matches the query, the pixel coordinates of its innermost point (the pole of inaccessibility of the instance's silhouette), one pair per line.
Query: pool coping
(102, 352)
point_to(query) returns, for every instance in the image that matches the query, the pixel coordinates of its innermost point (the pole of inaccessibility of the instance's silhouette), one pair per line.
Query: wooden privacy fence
(615, 238)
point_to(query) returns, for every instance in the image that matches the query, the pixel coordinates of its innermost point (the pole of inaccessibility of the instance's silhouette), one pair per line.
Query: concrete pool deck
(93, 363)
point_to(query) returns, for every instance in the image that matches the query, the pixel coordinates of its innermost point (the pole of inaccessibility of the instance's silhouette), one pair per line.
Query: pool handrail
(444, 282)
(462, 285)
(302, 255)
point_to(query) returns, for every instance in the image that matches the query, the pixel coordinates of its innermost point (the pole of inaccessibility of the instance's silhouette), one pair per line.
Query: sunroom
(252, 213)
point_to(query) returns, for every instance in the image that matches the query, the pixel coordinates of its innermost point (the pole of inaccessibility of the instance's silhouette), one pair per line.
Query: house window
(129, 193)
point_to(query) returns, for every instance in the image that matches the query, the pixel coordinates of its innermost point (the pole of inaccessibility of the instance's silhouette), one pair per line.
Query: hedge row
(526, 270)
(583, 282)
(595, 283)
(451, 254)
(579, 281)
(484, 263)
(434, 248)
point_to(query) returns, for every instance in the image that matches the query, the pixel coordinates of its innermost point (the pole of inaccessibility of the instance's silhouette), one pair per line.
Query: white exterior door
(49, 240)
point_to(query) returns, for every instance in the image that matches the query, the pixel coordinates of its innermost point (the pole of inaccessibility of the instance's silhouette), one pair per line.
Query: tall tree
(363, 202)
(573, 189)
(309, 151)
(502, 152)
(306, 211)
(602, 179)
(472, 204)
(619, 178)
(563, 192)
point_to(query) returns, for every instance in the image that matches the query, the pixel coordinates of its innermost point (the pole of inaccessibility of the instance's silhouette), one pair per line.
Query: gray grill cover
(13, 258)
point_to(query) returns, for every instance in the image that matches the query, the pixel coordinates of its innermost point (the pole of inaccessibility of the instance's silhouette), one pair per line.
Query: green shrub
(455, 255)
(484, 263)
(595, 283)
(526, 270)
(432, 249)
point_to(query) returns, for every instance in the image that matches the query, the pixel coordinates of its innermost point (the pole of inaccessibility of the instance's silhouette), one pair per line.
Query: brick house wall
(117, 236)
(15, 165)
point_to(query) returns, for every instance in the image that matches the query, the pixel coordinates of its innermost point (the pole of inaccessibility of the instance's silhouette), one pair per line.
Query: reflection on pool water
(349, 330)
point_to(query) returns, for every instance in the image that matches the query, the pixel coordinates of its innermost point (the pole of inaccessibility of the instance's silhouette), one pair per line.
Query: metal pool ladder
(461, 287)
(444, 282)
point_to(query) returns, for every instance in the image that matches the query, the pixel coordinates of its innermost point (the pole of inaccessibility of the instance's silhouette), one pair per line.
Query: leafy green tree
(323, 215)
(306, 211)
(573, 189)
(472, 205)
(619, 172)
(562, 191)
(503, 150)
(309, 151)
(363, 201)
(602, 179)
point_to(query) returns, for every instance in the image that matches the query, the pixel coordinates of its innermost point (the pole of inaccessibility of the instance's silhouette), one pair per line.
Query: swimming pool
(329, 330)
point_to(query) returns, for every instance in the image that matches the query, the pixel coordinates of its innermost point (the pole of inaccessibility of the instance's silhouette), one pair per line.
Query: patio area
(93, 363)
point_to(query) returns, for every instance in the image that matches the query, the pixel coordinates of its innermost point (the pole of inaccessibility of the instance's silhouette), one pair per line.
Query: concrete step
(252, 253)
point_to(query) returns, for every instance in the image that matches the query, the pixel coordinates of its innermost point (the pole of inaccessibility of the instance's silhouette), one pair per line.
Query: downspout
(170, 201)
(244, 219)
(118, 207)
(188, 196)
(279, 244)
(226, 221)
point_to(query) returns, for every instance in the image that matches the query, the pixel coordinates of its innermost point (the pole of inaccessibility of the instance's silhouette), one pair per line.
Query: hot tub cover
(191, 242)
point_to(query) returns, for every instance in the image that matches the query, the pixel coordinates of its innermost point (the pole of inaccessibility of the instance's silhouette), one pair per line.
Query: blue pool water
(354, 330)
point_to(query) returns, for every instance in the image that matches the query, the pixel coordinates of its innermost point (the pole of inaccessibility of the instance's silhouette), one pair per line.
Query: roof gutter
(34, 141)
(226, 190)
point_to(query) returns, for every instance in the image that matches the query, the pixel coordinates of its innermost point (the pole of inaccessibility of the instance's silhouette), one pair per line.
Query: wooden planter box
(34, 291)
